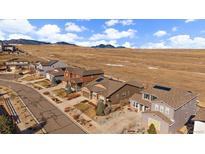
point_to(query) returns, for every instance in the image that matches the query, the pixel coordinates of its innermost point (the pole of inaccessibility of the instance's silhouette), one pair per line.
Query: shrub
(6, 125)
(152, 129)
(100, 108)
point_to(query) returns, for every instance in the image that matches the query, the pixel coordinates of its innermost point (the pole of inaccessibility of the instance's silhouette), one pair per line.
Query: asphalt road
(42, 109)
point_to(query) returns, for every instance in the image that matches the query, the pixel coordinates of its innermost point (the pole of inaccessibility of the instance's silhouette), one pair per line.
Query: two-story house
(168, 108)
(43, 67)
(76, 78)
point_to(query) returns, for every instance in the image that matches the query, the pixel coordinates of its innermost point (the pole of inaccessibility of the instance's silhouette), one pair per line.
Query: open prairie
(183, 68)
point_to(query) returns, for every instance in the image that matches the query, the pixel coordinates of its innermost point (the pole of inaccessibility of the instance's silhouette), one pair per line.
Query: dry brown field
(184, 68)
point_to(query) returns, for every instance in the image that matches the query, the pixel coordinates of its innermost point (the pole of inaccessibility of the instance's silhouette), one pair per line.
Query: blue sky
(139, 33)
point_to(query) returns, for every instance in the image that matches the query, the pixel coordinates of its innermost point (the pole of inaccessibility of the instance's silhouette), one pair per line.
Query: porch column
(138, 107)
(143, 108)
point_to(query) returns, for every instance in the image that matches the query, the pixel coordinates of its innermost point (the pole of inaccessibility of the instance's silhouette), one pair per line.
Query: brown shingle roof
(49, 63)
(200, 115)
(104, 86)
(160, 115)
(135, 83)
(84, 72)
(174, 97)
(56, 72)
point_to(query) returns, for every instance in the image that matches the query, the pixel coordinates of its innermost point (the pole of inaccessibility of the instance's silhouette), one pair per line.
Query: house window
(162, 109)
(146, 96)
(117, 96)
(153, 97)
(156, 107)
(167, 110)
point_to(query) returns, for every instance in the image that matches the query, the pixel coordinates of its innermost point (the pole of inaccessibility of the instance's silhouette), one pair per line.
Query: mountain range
(35, 42)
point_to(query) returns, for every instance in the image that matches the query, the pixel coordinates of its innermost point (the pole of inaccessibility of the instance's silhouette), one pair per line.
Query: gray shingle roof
(175, 97)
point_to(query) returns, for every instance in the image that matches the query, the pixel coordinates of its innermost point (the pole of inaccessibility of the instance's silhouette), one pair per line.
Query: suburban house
(199, 121)
(168, 108)
(7, 47)
(55, 75)
(110, 91)
(16, 63)
(76, 78)
(43, 67)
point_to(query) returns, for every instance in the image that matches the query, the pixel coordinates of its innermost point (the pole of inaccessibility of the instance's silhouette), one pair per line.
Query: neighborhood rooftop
(49, 63)
(104, 86)
(174, 97)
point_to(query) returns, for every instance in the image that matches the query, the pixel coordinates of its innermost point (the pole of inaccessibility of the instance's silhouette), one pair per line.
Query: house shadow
(34, 129)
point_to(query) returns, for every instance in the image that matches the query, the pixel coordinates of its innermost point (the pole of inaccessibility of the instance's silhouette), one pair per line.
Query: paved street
(42, 109)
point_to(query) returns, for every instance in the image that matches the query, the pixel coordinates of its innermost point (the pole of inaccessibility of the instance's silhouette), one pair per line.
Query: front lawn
(32, 77)
(86, 108)
(44, 83)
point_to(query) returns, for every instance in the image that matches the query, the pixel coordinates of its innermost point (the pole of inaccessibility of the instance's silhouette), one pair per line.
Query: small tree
(6, 125)
(152, 129)
(100, 109)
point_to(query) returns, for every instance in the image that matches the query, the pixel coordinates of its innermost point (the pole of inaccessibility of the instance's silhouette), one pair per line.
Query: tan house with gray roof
(168, 108)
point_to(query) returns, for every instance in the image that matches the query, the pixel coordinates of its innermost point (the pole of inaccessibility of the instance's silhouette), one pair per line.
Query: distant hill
(64, 43)
(106, 46)
(24, 41)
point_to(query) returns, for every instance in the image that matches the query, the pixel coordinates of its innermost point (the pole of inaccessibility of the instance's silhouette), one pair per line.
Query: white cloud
(72, 27)
(185, 41)
(2, 36)
(48, 30)
(19, 36)
(113, 34)
(152, 45)
(190, 20)
(113, 22)
(16, 26)
(127, 45)
(174, 29)
(51, 33)
(178, 41)
(160, 33)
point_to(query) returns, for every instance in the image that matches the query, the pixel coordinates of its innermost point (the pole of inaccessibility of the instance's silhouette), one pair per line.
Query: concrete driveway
(42, 109)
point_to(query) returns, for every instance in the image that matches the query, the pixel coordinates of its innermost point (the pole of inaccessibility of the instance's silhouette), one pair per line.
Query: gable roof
(136, 84)
(56, 72)
(200, 115)
(104, 86)
(49, 63)
(84, 72)
(174, 97)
